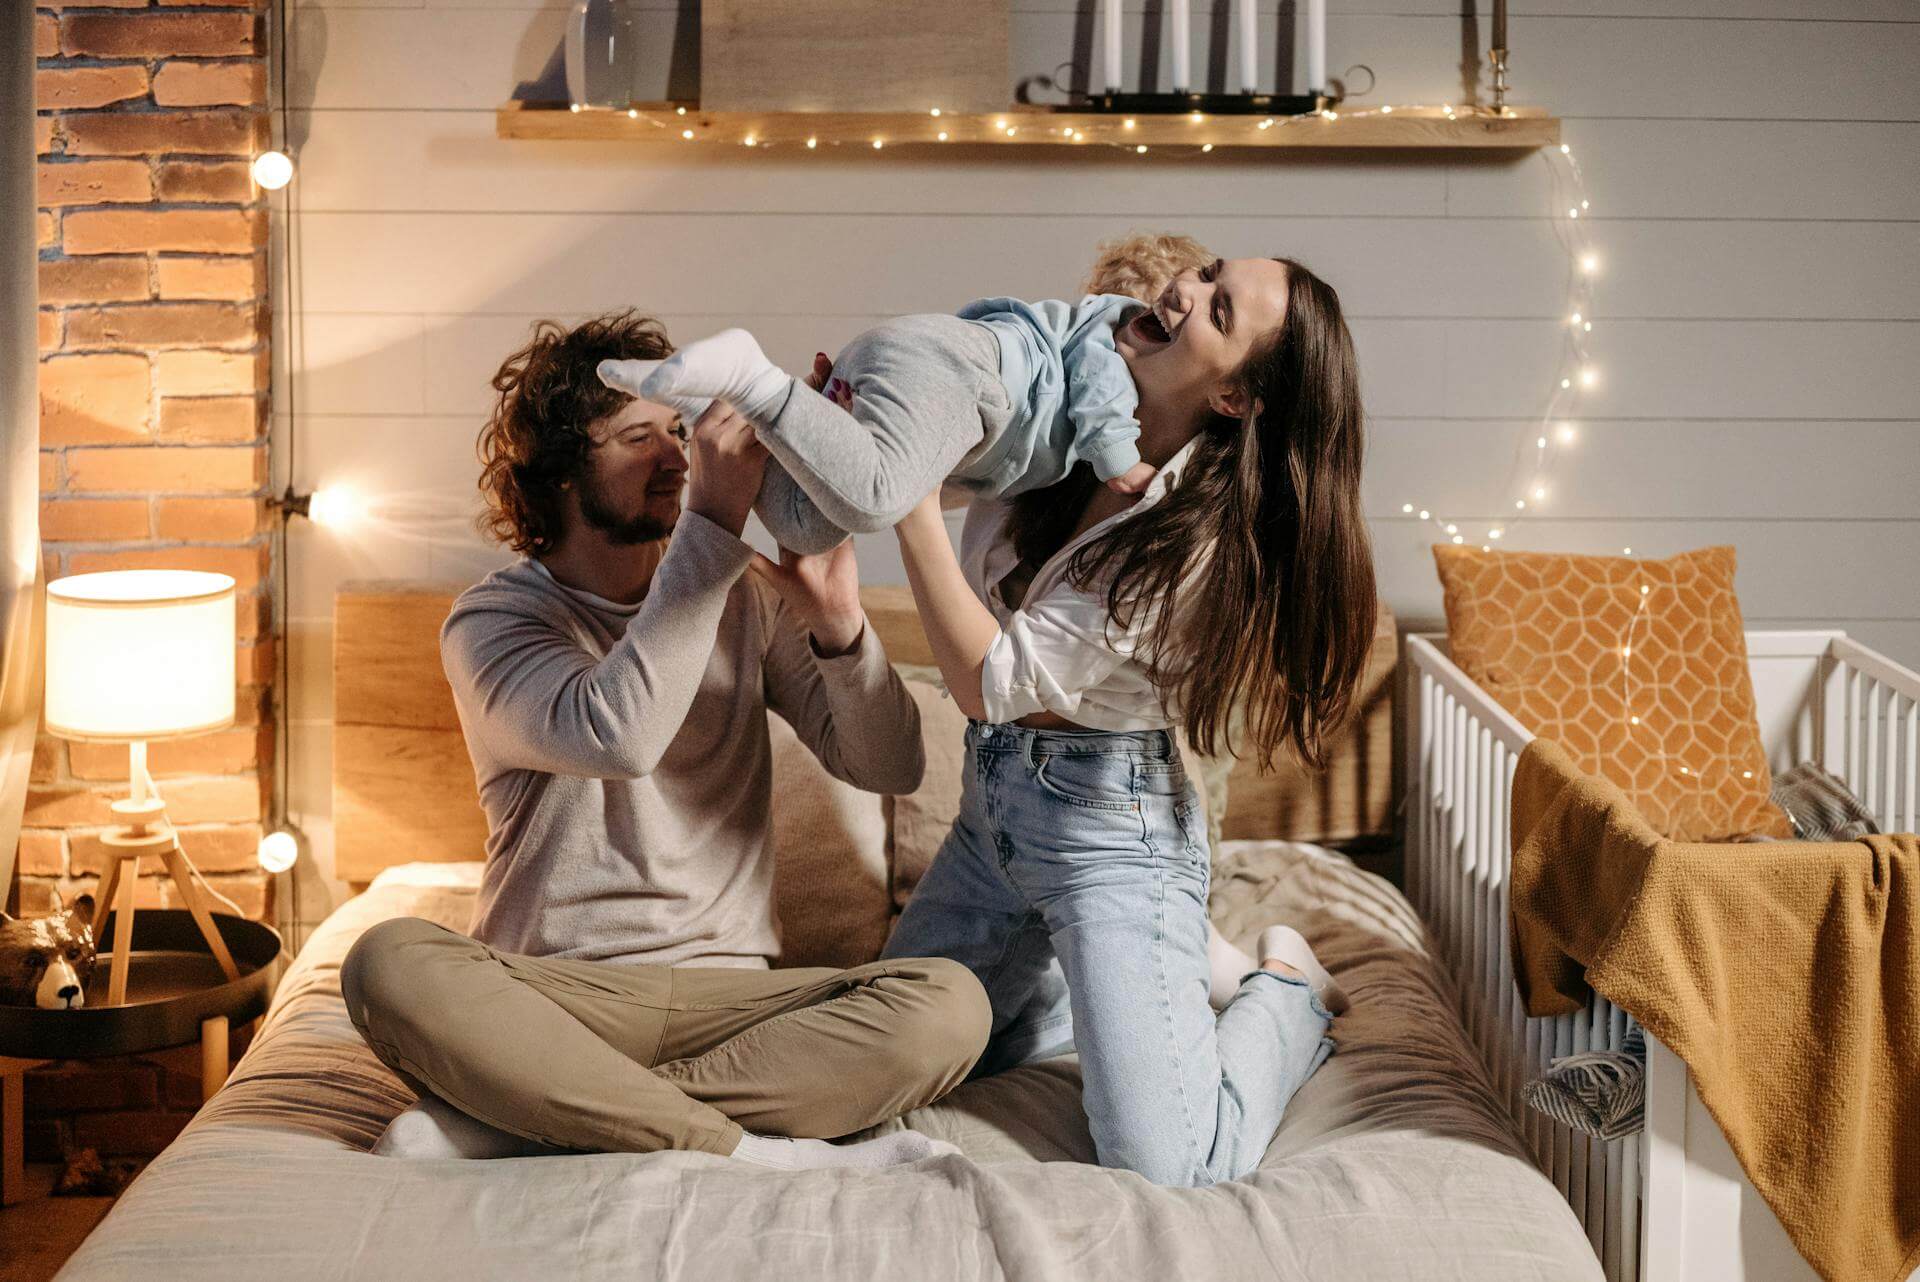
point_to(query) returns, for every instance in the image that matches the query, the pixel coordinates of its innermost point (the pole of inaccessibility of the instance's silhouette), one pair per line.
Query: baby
(1003, 397)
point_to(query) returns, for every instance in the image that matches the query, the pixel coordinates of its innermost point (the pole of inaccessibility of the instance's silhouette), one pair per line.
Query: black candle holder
(1210, 104)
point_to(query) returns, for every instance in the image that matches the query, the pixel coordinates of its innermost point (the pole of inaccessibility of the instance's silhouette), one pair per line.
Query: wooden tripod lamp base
(147, 832)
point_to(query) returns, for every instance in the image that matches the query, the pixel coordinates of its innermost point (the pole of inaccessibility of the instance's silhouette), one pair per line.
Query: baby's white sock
(1228, 966)
(896, 1149)
(627, 376)
(1285, 944)
(435, 1128)
(730, 367)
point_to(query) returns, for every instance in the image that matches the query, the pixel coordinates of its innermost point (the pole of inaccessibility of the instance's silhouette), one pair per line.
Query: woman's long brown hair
(1278, 619)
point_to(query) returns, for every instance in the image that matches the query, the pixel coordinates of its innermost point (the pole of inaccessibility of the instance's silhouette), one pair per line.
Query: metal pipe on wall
(22, 594)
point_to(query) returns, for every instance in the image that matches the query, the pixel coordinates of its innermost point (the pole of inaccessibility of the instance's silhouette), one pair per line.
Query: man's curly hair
(536, 438)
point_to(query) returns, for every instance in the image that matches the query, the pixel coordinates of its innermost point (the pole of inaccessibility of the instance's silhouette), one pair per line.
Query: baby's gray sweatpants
(927, 399)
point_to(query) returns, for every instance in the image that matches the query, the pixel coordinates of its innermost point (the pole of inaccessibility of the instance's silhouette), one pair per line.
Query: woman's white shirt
(1060, 652)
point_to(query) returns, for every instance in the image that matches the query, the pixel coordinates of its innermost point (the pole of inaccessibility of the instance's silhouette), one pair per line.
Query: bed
(1396, 1160)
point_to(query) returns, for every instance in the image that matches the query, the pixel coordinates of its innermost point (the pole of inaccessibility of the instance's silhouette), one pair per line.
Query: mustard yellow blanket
(1786, 975)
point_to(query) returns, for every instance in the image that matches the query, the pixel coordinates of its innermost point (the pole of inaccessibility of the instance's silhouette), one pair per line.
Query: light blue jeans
(1074, 885)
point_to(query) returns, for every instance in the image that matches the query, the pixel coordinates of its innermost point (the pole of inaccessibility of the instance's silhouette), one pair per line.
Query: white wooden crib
(1670, 1204)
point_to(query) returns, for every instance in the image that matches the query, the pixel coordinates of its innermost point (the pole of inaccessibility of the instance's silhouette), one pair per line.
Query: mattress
(1394, 1161)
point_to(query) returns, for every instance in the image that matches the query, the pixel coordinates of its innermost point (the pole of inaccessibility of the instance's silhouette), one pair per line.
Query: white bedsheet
(1394, 1161)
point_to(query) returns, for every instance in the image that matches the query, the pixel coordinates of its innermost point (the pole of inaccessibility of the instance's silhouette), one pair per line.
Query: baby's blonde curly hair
(1139, 266)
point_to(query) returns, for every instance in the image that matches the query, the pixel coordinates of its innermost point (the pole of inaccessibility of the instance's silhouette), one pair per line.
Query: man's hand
(823, 589)
(727, 463)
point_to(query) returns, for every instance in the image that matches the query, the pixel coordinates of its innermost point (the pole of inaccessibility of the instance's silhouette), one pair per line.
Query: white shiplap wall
(1754, 167)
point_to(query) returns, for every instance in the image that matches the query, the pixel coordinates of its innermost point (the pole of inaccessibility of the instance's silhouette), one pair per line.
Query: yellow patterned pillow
(1637, 668)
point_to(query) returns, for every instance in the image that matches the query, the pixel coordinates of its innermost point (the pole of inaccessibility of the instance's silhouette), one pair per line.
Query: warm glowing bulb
(1746, 774)
(1519, 505)
(812, 143)
(1576, 318)
(750, 140)
(1566, 382)
(633, 113)
(1206, 147)
(1626, 551)
(1588, 327)
(1267, 123)
(1494, 534)
(1386, 111)
(1196, 117)
(1634, 720)
(936, 111)
(1452, 529)
(1573, 213)
(1425, 515)
(687, 134)
(1567, 433)
(1129, 122)
(943, 135)
(1644, 589)
(1685, 771)
(876, 144)
(1565, 150)
(1142, 149)
(1583, 204)
(334, 506)
(1626, 652)
(1458, 539)
(278, 851)
(1330, 114)
(1541, 443)
(1539, 493)
(1589, 376)
(272, 170)
(574, 108)
(1590, 263)
(999, 124)
(1406, 507)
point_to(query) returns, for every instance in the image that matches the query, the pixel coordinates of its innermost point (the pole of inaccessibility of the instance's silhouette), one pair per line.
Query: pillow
(1637, 668)
(917, 824)
(830, 860)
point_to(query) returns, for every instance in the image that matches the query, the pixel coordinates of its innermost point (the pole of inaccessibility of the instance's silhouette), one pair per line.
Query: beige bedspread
(1394, 1161)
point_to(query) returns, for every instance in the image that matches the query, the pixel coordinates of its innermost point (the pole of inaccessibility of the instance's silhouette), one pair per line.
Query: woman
(1241, 579)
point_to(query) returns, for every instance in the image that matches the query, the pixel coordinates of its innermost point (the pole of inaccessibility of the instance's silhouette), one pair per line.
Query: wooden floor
(39, 1232)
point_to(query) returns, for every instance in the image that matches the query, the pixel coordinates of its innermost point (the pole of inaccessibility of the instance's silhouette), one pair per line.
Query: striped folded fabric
(1600, 1093)
(1820, 805)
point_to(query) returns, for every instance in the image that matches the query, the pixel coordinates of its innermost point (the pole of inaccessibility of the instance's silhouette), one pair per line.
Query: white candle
(1316, 46)
(1249, 47)
(1113, 46)
(1182, 57)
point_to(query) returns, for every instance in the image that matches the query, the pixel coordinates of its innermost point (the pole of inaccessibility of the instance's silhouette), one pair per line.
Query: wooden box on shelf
(853, 55)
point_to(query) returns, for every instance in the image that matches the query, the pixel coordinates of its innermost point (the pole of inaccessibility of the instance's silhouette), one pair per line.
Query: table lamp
(133, 656)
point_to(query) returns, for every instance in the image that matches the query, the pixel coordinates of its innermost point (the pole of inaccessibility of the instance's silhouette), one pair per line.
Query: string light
(812, 143)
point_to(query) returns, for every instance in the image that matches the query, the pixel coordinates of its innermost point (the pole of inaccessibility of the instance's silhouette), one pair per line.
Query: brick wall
(153, 383)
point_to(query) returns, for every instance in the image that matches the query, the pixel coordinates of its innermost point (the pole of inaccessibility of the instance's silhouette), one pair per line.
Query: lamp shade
(139, 654)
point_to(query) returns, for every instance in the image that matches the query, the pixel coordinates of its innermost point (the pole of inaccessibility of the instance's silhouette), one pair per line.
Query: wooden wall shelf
(1521, 128)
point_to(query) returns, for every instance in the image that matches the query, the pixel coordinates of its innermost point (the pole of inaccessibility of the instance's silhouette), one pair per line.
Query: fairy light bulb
(1129, 122)
(1387, 110)
(1565, 150)
(272, 170)
(278, 851)
(1495, 533)
(1566, 383)
(335, 506)
(877, 144)
(1575, 320)
(1425, 515)
(1573, 213)
(1141, 149)
(812, 143)
(633, 113)
(1589, 376)
(1539, 493)
(1540, 443)
(1406, 507)
(1458, 539)
(1568, 434)
(1519, 505)
(687, 134)
(1206, 147)
(1590, 263)
(1452, 529)
(679, 111)
(935, 111)
(943, 135)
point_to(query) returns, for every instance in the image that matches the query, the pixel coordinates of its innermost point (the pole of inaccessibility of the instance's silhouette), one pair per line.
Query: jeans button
(986, 732)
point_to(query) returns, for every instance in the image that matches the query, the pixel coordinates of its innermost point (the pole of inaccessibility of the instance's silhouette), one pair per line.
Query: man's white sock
(1285, 944)
(896, 1149)
(435, 1128)
(729, 367)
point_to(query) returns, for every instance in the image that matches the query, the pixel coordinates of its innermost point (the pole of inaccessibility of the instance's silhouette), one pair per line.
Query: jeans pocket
(1095, 781)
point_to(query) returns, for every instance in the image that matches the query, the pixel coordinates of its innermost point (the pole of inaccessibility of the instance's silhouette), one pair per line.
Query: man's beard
(619, 528)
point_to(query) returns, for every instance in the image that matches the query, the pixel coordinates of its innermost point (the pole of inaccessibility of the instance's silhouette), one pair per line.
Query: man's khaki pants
(606, 1056)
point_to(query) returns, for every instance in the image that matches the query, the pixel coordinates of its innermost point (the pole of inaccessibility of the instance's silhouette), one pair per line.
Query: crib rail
(1463, 747)
(1822, 696)
(1872, 732)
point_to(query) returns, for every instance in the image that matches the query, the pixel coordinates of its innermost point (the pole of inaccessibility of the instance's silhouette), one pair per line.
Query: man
(612, 688)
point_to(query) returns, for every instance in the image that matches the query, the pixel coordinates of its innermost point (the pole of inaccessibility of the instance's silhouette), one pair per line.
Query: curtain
(22, 594)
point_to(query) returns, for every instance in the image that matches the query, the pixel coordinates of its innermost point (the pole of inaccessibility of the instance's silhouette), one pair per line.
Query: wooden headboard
(403, 788)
